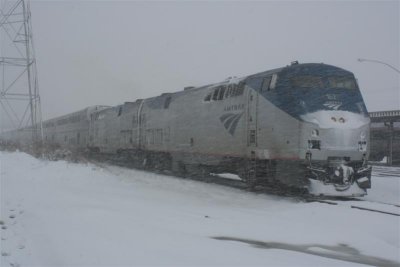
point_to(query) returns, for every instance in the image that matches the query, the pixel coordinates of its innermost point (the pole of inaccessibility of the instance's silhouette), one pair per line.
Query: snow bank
(66, 214)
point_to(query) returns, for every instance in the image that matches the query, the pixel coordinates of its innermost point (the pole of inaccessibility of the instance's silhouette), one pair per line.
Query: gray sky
(108, 52)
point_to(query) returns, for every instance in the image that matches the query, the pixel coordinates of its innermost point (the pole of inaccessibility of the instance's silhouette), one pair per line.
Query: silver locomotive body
(303, 125)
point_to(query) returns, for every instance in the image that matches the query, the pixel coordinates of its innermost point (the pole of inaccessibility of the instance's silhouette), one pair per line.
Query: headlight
(362, 146)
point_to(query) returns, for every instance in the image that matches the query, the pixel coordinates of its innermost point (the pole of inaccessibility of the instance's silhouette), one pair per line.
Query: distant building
(385, 136)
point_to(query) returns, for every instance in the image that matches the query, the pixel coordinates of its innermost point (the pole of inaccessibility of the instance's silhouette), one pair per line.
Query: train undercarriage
(323, 178)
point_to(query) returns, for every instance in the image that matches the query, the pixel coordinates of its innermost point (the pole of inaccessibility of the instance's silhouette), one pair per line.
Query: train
(302, 126)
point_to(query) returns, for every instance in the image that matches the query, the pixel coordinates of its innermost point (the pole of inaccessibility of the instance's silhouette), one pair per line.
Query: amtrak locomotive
(302, 126)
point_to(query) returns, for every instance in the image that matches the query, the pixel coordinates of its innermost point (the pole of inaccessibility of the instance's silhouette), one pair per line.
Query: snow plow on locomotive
(302, 126)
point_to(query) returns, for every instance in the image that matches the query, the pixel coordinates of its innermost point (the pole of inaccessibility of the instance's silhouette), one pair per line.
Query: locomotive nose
(332, 133)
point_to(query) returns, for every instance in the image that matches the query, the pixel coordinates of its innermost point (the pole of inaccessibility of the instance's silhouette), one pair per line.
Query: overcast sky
(108, 52)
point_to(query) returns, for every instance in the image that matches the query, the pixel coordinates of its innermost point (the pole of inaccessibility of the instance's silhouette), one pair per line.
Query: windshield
(312, 87)
(306, 81)
(341, 82)
(309, 81)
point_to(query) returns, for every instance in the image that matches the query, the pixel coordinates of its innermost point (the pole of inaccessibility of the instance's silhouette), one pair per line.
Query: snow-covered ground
(65, 214)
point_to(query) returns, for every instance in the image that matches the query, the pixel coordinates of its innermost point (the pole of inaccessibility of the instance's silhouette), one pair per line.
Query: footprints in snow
(9, 229)
(2, 225)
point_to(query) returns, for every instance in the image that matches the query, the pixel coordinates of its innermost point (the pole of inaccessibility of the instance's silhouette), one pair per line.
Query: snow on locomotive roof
(158, 101)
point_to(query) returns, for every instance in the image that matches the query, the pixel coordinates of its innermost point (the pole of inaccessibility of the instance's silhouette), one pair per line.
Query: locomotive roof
(269, 72)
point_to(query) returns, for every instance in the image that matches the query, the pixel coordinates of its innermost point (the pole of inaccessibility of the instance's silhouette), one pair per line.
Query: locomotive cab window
(341, 82)
(306, 81)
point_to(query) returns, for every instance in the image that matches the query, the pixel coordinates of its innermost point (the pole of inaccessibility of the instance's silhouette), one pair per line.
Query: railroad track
(385, 208)
(385, 171)
(102, 160)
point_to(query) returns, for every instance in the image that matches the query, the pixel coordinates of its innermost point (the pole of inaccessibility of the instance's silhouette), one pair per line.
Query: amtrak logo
(335, 105)
(231, 121)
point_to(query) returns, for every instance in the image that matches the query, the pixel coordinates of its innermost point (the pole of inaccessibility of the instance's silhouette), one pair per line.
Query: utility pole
(391, 133)
(19, 92)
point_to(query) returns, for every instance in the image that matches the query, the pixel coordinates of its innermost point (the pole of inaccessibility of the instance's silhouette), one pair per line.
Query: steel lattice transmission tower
(19, 95)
